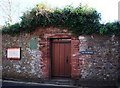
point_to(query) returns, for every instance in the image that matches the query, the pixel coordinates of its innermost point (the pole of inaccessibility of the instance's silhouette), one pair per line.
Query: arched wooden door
(61, 54)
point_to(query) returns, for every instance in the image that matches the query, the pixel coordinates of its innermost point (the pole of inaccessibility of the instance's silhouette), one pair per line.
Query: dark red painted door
(61, 54)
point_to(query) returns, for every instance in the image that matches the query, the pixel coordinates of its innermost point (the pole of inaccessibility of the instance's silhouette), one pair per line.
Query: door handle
(67, 59)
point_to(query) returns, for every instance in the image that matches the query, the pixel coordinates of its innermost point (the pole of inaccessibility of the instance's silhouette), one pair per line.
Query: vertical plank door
(61, 53)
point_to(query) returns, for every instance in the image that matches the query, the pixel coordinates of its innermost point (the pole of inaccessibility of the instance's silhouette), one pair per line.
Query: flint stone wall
(29, 66)
(104, 64)
(35, 56)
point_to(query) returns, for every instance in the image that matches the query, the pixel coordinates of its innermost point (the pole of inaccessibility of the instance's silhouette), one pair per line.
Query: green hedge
(79, 20)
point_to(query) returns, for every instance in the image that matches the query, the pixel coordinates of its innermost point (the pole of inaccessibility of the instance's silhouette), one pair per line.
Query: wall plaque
(13, 53)
(87, 52)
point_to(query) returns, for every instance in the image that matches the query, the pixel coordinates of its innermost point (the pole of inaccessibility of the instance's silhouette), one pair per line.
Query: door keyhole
(67, 59)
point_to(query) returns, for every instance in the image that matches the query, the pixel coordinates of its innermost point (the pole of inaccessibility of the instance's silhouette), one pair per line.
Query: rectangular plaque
(87, 52)
(13, 53)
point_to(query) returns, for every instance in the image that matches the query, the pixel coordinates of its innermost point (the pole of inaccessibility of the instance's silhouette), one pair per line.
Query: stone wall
(0, 56)
(29, 65)
(104, 63)
(35, 55)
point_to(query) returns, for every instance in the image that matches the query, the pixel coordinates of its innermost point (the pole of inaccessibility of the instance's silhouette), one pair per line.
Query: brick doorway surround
(75, 67)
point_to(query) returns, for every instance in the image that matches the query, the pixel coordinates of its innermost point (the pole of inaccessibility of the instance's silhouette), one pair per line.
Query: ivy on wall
(79, 20)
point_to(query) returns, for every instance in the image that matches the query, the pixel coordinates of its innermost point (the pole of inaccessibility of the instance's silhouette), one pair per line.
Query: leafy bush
(79, 20)
(13, 29)
(110, 28)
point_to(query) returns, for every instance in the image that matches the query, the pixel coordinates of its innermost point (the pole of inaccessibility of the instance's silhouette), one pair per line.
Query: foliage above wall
(110, 28)
(79, 20)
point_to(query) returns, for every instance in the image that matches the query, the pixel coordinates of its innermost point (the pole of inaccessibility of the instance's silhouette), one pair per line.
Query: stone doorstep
(61, 82)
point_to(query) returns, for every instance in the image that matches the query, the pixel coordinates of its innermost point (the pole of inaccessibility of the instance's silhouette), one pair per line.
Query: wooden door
(61, 54)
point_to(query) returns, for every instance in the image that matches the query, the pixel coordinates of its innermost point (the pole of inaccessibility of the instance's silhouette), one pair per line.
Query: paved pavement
(16, 84)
